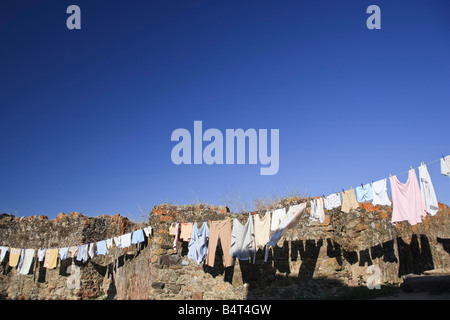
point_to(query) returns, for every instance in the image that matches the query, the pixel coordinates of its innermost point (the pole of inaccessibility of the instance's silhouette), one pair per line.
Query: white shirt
(445, 166)
(379, 191)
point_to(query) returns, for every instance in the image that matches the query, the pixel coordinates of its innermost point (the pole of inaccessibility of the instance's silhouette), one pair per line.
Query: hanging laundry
(262, 229)
(407, 200)
(125, 240)
(51, 256)
(177, 233)
(427, 191)
(445, 166)
(332, 201)
(172, 230)
(186, 230)
(277, 216)
(148, 231)
(364, 193)
(19, 266)
(14, 256)
(220, 230)
(63, 253)
(91, 250)
(82, 254)
(349, 201)
(379, 193)
(198, 245)
(101, 248)
(27, 261)
(288, 223)
(109, 243)
(41, 254)
(317, 210)
(117, 241)
(137, 236)
(243, 240)
(3, 251)
(73, 251)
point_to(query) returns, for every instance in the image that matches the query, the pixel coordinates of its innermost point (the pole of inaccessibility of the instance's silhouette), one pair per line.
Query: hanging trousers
(220, 230)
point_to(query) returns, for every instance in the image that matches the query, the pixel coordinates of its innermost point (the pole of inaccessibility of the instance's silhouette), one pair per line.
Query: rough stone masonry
(311, 260)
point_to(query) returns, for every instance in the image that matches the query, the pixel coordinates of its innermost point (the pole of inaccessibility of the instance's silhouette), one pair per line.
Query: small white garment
(41, 254)
(125, 240)
(63, 253)
(177, 232)
(379, 192)
(148, 231)
(82, 254)
(3, 251)
(333, 201)
(109, 243)
(427, 191)
(317, 211)
(91, 250)
(117, 241)
(277, 216)
(27, 260)
(19, 266)
(445, 166)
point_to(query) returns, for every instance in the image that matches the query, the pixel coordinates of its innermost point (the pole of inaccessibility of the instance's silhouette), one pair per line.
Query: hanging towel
(14, 256)
(262, 229)
(407, 201)
(198, 243)
(138, 236)
(427, 191)
(277, 216)
(243, 240)
(63, 253)
(379, 193)
(445, 166)
(109, 243)
(101, 248)
(332, 201)
(364, 193)
(73, 251)
(51, 256)
(349, 201)
(3, 251)
(27, 261)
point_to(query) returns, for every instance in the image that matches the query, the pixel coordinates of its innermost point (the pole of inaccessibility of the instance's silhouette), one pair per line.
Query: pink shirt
(407, 201)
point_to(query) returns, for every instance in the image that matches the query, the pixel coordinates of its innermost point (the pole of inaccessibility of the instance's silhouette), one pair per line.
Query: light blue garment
(364, 193)
(63, 253)
(137, 236)
(198, 245)
(101, 248)
(82, 254)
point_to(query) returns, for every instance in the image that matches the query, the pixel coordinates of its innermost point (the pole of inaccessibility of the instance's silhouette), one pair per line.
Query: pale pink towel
(407, 201)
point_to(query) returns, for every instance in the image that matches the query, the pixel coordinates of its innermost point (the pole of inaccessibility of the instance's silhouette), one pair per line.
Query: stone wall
(311, 260)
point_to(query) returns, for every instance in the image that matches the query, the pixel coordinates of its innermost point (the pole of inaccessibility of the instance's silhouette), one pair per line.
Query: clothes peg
(343, 191)
(362, 185)
(411, 168)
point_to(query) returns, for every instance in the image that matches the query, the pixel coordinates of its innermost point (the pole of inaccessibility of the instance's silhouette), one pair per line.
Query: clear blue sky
(87, 115)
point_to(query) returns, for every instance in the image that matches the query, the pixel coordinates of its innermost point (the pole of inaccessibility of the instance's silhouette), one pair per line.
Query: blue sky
(87, 115)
